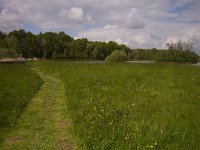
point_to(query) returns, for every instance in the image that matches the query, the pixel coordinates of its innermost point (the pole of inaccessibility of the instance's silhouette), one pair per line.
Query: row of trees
(56, 45)
(180, 46)
(164, 55)
(61, 45)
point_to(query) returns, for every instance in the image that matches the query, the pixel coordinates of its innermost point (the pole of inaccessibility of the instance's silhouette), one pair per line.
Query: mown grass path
(44, 124)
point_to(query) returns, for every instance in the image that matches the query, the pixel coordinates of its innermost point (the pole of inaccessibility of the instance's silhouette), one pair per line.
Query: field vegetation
(131, 106)
(18, 84)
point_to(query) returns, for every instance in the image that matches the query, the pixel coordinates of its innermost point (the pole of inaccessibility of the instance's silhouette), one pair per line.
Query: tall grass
(18, 84)
(132, 106)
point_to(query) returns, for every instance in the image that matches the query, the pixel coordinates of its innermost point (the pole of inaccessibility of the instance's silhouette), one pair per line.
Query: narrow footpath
(44, 124)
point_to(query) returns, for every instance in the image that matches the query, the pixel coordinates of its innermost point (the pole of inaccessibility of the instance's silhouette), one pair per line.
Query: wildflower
(156, 143)
(150, 146)
(95, 108)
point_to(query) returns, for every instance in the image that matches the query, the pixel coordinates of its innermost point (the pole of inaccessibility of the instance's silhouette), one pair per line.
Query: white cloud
(4, 11)
(74, 14)
(121, 35)
(120, 41)
(110, 26)
(144, 23)
(146, 38)
(134, 19)
(9, 20)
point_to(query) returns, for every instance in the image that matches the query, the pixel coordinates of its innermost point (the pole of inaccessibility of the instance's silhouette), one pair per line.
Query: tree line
(181, 46)
(57, 45)
(170, 55)
(60, 45)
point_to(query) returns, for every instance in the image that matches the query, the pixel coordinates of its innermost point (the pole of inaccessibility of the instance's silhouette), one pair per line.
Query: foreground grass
(131, 106)
(44, 124)
(18, 84)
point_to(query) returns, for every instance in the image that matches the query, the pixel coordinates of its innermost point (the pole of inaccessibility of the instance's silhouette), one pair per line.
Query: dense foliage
(8, 53)
(117, 56)
(144, 54)
(177, 56)
(131, 106)
(18, 85)
(56, 45)
(198, 59)
(164, 55)
(60, 45)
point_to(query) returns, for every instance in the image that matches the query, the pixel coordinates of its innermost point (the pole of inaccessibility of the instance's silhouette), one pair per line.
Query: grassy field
(131, 106)
(18, 84)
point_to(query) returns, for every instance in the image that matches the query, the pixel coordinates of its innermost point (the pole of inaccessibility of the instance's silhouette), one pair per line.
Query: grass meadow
(18, 84)
(131, 106)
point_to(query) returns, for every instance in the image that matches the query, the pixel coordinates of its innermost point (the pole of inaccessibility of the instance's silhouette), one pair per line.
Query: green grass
(44, 124)
(131, 106)
(18, 84)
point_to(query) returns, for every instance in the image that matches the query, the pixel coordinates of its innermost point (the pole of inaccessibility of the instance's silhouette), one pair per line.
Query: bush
(8, 53)
(177, 56)
(117, 56)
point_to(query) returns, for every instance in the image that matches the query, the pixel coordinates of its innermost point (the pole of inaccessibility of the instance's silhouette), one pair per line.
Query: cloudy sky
(141, 23)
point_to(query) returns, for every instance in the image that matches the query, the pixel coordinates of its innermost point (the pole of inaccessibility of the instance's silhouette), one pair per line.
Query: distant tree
(57, 45)
(2, 35)
(89, 49)
(181, 46)
(12, 43)
(2, 39)
(18, 37)
(112, 46)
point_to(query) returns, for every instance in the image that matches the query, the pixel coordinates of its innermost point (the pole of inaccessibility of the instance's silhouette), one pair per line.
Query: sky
(137, 24)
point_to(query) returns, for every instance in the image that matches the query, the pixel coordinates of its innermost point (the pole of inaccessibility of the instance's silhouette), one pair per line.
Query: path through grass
(18, 85)
(43, 125)
(112, 107)
(131, 106)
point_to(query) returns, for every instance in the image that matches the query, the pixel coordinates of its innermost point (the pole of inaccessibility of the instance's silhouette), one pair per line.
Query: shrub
(8, 53)
(117, 56)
